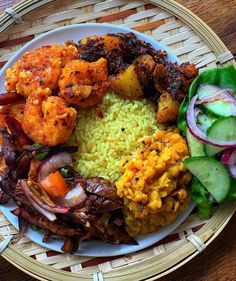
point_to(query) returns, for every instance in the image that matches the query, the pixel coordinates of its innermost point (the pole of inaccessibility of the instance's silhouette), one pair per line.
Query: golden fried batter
(39, 69)
(82, 83)
(47, 119)
(15, 110)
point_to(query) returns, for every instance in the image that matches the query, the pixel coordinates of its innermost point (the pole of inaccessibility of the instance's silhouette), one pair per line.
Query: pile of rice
(109, 133)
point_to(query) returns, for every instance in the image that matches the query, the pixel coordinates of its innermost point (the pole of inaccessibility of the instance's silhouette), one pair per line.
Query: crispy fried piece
(23, 165)
(14, 110)
(16, 130)
(119, 52)
(47, 120)
(10, 98)
(174, 78)
(144, 66)
(167, 109)
(102, 196)
(70, 245)
(106, 42)
(9, 150)
(7, 184)
(39, 69)
(4, 198)
(84, 84)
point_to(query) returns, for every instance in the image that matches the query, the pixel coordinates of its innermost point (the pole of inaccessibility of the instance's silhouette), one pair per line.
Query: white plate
(90, 248)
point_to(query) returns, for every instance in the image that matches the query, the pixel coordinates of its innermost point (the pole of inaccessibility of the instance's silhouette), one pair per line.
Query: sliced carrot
(55, 185)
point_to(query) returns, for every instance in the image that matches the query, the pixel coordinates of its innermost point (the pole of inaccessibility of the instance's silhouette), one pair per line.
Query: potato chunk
(127, 84)
(167, 109)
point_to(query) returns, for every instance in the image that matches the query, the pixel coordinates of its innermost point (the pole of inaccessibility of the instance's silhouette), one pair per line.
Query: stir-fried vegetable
(52, 164)
(40, 151)
(55, 184)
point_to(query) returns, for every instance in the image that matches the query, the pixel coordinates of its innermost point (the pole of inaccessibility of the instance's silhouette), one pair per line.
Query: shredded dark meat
(47, 236)
(70, 245)
(9, 149)
(16, 130)
(23, 226)
(7, 185)
(119, 59)
(56, 227)
(9, 98)
(174, 78)
(102, 187)
(23, 165)
(19, 196)
(111, 233)
(102, 227)
(4, 198)
(102, 196)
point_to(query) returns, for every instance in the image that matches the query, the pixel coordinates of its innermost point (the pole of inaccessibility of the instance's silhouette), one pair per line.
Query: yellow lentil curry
(154, 183)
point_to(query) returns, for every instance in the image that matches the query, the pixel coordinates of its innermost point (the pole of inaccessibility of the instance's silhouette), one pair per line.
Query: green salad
(207, 117)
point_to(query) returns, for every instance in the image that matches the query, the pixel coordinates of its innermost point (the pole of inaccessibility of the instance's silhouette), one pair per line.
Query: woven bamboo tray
(191, 40)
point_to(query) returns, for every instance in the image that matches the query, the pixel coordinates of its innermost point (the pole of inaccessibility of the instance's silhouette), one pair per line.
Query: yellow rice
(109, 132)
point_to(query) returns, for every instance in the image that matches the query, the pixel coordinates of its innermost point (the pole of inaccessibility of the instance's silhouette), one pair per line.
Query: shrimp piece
(83, 84)
(15, 110)
(47, 119)
(39, 69)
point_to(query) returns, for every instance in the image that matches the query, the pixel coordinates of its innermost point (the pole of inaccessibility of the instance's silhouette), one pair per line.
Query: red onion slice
(56, 209)
(218, 97)
(215, 94)
(74, 197)
(232, 170)
(196, 112)
(229, 157)
(31, 196)
(198, 133)
(52, 164)
(49, 215)
(215, 91)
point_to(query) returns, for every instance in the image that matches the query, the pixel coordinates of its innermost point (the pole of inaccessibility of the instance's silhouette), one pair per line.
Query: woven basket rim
(36, 269)
(24, 7)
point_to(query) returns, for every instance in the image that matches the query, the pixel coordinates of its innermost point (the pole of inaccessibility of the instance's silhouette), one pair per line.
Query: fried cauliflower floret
(39, 69)
(47, 119)
(83, 84)
(167, 109)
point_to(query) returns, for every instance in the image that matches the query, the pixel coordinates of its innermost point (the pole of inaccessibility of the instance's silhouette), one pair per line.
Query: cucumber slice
(232, 192)
(196, 147)
(205, 120)
(212, 174)
(217, 108)
(223, 129)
